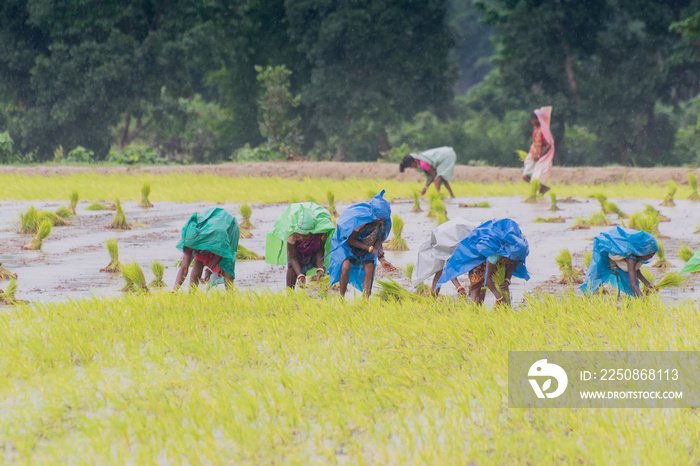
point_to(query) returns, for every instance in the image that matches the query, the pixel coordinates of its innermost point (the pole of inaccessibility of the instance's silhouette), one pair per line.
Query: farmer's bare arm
(632, 274)
(490, 270)
(431, 177)
(184, 268)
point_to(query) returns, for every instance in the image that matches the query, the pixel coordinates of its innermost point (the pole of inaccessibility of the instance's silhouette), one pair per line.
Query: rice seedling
(6, 274)
(612, 208)
(650, 210)
(397, 243)
(243, 233)
(569, 274)
(668, 200)
(55, 219)
(416, 203)
(135, 280)
(7, 297)
(602, 200)
(685, 253)
(475, 205)
(534, 192)
(442, 218)
(246, 212)
(580, 223)
(697, 228)
(113, 249)
(119, 221)
(553, 206)
(549, 220)
(95, 206)
(437, 207)
(42, 233)
(670, 280)
(64, 212)
(29, 221)
(661, 262)
(158, 270)
(145, 192)
(331, 203)
(647, 220)
(522, 155)
(390, 290)
(73, 201)
(587, 256)
(693, 182)
(598, 219)
(246, 254)
(370, 193)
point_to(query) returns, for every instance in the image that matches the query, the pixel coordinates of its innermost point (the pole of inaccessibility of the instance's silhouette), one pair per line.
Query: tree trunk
(384, 141)
(124, 132)
(339, 153)
(571, 76)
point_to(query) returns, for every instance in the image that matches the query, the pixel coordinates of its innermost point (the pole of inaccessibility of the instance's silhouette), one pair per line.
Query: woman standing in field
(301, 239)
(438, 165)
(434, 253)
(357, 244)
(212, 237)
(618, 255)
(493, 244)
(538, 163)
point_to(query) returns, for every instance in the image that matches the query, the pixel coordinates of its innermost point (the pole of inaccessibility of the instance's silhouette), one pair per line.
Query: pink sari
(542, 166)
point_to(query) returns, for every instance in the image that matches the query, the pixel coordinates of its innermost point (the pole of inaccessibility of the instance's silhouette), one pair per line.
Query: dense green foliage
(208, 80)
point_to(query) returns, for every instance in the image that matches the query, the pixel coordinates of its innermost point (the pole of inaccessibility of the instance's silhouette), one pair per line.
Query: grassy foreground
(266, 378)
(212, 188)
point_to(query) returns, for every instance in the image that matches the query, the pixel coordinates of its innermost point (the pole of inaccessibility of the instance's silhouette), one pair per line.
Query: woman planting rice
(538, 163)
(438, 165)
(434, 253)
(301, 239)
(492, 245)
(618, 255)
(357, 244)
(212, 236)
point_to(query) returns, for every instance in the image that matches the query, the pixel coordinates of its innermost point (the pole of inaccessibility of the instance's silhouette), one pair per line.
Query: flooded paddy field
(68, 266)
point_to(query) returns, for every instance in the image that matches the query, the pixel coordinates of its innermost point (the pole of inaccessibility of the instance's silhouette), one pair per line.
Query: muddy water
(69, 265)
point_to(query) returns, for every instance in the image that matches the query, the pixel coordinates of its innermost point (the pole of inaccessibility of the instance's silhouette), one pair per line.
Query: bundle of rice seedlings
(416, 203)
(158, 269)
(612, 208)
(650, 210)
(442, 218)
(522, 155)
(661, 262)
(42, 233)
(324, 285)
(685, 253)
(602, 200)
(423, 289)
(134, 278)
(6, 274)
(397, 243)
(29, 221)
(73, 201)
(389, 290)
(145, 192)
(670, 280)
(498, 278)
(64, 212)
(693, 182)
(114, 265)
(587, 256)
(246, 254)
(436, 207)
(246, 212)
(580, 224)
(7, 297)
(645, 221)
(331, 203)
(569, 274)
(534, 192)
(243, 233)
(95, 206)
(476, 205)
(549, 220)
(553, 207)
(55, 220)
(598, 219)
(668, 200)
(119, 221)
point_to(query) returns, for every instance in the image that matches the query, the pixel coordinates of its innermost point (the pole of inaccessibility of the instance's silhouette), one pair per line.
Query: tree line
(211, 80)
